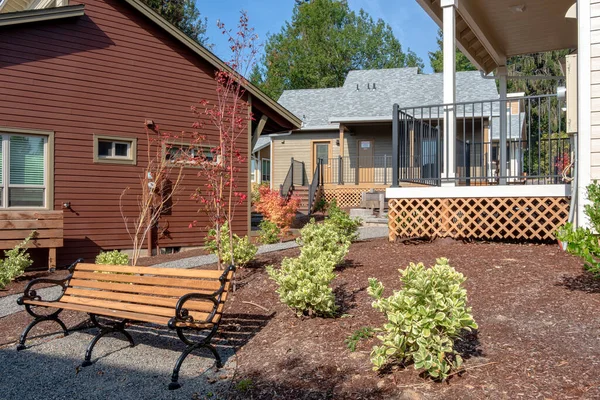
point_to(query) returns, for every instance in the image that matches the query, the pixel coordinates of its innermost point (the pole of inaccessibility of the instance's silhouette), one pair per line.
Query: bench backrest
(147, 290)
(17, 225)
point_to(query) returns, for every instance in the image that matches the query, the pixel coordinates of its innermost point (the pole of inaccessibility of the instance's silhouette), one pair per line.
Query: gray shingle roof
(397, 85)
(261, 143)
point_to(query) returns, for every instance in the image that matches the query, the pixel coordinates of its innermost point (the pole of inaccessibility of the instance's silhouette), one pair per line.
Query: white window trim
(48, 186)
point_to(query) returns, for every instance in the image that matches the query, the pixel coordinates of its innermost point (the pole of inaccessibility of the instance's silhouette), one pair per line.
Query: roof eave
(212, 59)
(46, 14)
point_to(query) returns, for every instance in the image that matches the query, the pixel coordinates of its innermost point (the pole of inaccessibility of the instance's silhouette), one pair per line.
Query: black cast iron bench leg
(104, 330)
(39, 318)
(191, 346)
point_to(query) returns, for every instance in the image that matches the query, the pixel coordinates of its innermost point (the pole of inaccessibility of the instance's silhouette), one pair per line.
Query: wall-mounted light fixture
(149, 123)
(67, 205)
(337, 142)
(283, 142)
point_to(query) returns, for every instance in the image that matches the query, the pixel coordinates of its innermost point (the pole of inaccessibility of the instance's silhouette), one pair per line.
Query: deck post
(340, 166)
(292, 168)
(395, 144)
(449, 45)
(502, 73)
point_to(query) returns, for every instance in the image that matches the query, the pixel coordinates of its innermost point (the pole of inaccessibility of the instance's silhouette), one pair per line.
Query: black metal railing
(316, 182)
(294, 177)
(354, 170)
(525, 144)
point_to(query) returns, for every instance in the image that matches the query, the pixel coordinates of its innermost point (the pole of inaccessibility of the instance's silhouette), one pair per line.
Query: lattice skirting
(525, 218)
(345, 197)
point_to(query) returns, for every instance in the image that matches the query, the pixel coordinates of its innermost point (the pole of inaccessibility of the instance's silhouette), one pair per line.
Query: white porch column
(584, 108)
(449, 44)
(502, 73)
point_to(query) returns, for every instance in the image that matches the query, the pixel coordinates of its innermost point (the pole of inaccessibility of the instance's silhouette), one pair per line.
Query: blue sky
(411, 25)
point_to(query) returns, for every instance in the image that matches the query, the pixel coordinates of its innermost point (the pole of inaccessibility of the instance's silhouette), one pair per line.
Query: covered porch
(498, 169)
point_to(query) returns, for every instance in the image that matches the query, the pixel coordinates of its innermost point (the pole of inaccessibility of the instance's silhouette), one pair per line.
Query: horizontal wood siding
(297, 146)
(595, 101)
(106, 73)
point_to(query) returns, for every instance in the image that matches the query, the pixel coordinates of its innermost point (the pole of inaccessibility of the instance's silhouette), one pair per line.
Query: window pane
(121, 149)
(26, 197)
(26, 160)
(323, 153)
(104, 149)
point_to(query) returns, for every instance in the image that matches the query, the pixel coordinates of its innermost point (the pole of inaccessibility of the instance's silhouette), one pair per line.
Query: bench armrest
(30, 294)
(182, 314)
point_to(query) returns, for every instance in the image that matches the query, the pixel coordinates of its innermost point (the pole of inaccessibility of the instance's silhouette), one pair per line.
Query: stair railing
(315, 184)
(294, 177)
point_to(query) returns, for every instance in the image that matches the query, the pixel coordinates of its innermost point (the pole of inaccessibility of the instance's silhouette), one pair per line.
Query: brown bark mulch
(537, 337)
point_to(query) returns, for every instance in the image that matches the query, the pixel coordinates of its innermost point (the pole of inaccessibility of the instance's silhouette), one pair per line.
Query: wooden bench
(180, 299)
(48, 225)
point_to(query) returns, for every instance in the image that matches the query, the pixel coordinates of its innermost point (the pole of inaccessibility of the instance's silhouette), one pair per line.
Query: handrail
(295, 176)
(314, 185)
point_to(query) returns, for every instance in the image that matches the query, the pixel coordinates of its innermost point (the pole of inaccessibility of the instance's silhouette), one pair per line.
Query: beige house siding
(595, 90)
(298, 147)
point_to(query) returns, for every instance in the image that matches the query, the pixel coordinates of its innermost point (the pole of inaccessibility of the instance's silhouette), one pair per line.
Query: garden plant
(424, 318)
(304, 282)
(269, 232)
(277, 209)
(243, 251)
(114, 257)
(15, 262)
(583, 242)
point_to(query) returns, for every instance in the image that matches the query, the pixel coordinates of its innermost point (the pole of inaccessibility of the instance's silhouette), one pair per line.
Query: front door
(366, 170)
(322, 152)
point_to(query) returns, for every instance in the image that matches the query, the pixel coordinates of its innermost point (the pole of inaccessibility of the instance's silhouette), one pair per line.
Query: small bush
(305, 282)
(325, 238)
(15, 262)
(114, 257)
(342, 222)
(424, 318)
(277, 209)
(243, 250)
(583, 242)
(255, 194)
(269, 232)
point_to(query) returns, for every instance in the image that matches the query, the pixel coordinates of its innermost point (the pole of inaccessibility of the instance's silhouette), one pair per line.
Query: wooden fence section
(48, 226)
(524, 218)
(345, 197)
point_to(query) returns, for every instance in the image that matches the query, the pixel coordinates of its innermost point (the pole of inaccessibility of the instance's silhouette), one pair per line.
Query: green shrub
(583, 242)
(269, 232)
(424, 318)
(325, 238)
(114, 257)
(342, 222)
(16, 261)
(305, 282)
(243, 250)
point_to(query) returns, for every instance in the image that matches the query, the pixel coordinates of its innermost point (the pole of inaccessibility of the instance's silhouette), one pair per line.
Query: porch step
(302, 193)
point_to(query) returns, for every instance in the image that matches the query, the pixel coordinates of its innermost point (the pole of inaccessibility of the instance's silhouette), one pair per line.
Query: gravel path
(8, 304)
(51, 368)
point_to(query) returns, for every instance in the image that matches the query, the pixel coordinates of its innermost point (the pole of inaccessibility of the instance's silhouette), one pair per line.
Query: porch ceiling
(489, 31)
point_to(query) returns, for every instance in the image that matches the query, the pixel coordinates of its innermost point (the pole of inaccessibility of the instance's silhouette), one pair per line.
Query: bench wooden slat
(175, 272)
(134, 308)
(193, 305)
(133, 288)
(149, 280)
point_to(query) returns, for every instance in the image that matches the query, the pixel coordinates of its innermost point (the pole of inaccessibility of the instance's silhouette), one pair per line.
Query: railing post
(340, 172)
(292, 176)
(303, 172)
(385, 169)
(321, 181)
(395, 143)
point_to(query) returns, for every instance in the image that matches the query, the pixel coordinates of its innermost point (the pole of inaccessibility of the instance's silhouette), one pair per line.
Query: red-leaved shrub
(277, 209)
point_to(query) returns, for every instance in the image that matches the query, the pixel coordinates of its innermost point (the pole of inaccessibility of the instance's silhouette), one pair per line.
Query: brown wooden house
(77, 83)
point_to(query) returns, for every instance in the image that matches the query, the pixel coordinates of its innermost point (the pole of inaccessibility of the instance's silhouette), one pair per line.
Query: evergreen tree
(184, 15)
(322, 43)
(436, 58)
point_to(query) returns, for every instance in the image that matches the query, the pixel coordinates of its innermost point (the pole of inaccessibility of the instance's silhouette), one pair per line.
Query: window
(23, 170)
(188, 154)
(266, 170)
(253, 169)
(114, 150)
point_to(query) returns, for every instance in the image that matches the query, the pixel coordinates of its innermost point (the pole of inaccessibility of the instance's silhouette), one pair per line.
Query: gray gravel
(50, 368)
(8, 304)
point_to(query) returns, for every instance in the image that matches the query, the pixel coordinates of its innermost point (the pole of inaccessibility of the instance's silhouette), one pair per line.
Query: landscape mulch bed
(537, 314)
(536, 310)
